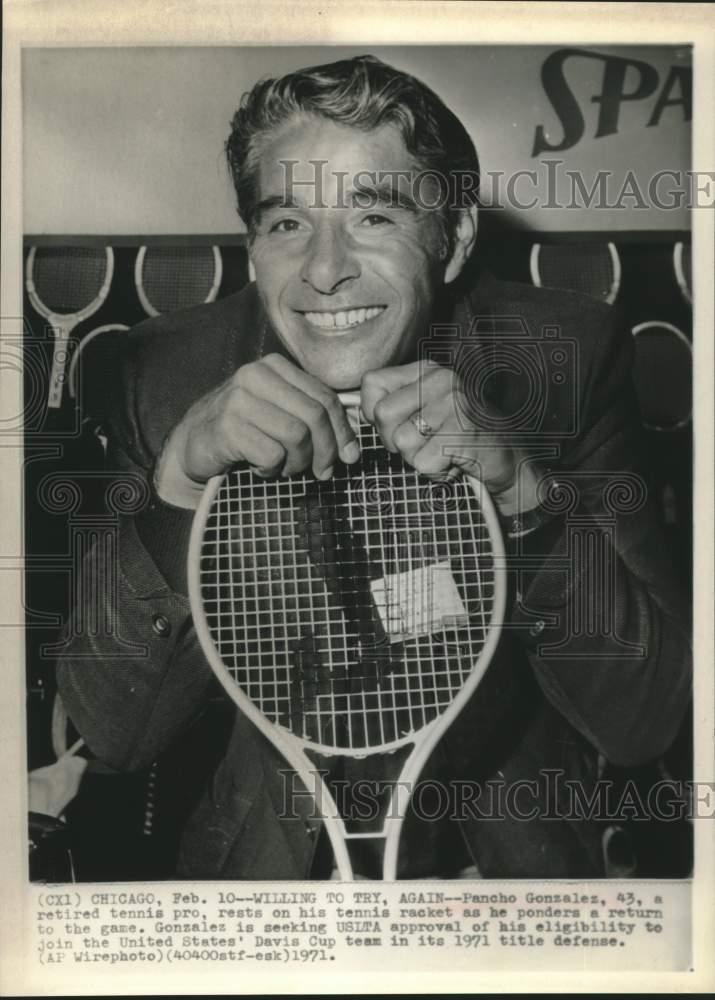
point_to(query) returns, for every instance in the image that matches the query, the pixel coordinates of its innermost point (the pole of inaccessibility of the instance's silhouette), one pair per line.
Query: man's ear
(465, 237)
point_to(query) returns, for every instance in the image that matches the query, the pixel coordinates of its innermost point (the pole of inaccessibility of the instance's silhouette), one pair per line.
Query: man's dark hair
(364, 93)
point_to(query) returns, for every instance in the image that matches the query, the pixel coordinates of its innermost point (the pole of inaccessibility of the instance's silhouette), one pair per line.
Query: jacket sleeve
(598, 607)
(133, 684)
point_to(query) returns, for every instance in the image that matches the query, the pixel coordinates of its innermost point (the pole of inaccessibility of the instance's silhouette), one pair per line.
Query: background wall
(130, 141)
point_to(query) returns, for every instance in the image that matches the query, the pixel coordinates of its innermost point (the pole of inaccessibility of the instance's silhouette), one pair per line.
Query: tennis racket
(66, 285)
(593, 268)
(170, 278)
(84, 343)
(349, 617)
(663, 375)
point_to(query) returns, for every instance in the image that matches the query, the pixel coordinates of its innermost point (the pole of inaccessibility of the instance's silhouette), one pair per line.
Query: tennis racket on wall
(593, 268)
(84, 343)
(349, 617)
(66, 285)
(170, 278)
(663, 375)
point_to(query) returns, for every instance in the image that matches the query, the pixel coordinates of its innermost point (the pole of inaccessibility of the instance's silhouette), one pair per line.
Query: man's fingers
(430, 398)
(480, 458)
(375, 385)
(287, 413)
(437, 442)
(265, 454)
(232, 436)
(392, 411)
(391, 396)
(303, 442)
(347, 444)
(267, 413)
(421, 441)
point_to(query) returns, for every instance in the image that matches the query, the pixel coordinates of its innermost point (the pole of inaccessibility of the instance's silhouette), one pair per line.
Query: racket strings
(584, 267)
(340, 557)
(351, 611)
(178, 277)
(662, 375)
(68, 279)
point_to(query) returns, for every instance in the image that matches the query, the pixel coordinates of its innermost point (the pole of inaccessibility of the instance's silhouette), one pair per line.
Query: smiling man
(348, 288)
(357, 188)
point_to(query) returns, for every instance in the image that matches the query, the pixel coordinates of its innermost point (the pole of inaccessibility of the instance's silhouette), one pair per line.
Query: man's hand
(270, 414)
(421, 411)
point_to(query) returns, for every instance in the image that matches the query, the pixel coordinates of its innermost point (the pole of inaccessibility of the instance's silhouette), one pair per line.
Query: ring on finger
(421, 425)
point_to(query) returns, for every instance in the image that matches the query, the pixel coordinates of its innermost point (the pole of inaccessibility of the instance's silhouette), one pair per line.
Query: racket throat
(60, 349)
(363, 805)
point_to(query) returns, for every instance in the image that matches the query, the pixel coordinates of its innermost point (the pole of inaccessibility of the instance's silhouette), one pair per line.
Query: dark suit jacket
(594, 664)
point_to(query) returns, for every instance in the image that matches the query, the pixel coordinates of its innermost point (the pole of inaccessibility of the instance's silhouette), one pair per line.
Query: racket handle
(349, 399)
(59, 363)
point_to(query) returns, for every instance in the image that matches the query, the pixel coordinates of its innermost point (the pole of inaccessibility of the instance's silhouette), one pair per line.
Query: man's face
(348, 280)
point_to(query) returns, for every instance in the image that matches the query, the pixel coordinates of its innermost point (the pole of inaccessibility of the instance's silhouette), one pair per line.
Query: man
(340, 173)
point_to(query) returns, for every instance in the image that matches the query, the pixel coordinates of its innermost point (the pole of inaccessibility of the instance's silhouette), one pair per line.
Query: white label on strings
(418, 602)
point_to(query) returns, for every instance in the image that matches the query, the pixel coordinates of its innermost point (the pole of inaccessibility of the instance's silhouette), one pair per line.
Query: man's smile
(350, 289)
(342, 319)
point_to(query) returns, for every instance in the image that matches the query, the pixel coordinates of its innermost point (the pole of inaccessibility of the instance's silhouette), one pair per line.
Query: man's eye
(284, 226)
(374, 219)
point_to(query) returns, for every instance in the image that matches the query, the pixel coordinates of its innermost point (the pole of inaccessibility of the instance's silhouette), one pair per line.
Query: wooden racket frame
(615, 260)
(84, 342)
(147, 306)
(64, 323)
(294, 748)
(642, 328)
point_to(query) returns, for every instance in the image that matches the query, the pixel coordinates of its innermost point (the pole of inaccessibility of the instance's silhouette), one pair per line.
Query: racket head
(360, 702)
(592, 268)
(172, 278)
(81, 347)
(68, 282)
(662, 374)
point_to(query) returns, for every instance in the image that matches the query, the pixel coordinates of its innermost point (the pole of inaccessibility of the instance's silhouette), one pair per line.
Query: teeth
(343, 319)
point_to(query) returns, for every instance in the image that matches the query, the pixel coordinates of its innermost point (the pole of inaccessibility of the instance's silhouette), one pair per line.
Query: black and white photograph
(358, 547)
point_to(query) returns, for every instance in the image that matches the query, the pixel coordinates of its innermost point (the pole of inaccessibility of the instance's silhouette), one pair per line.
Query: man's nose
(329, 260)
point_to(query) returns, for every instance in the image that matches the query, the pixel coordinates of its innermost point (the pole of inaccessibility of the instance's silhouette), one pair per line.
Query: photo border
(70, 24)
